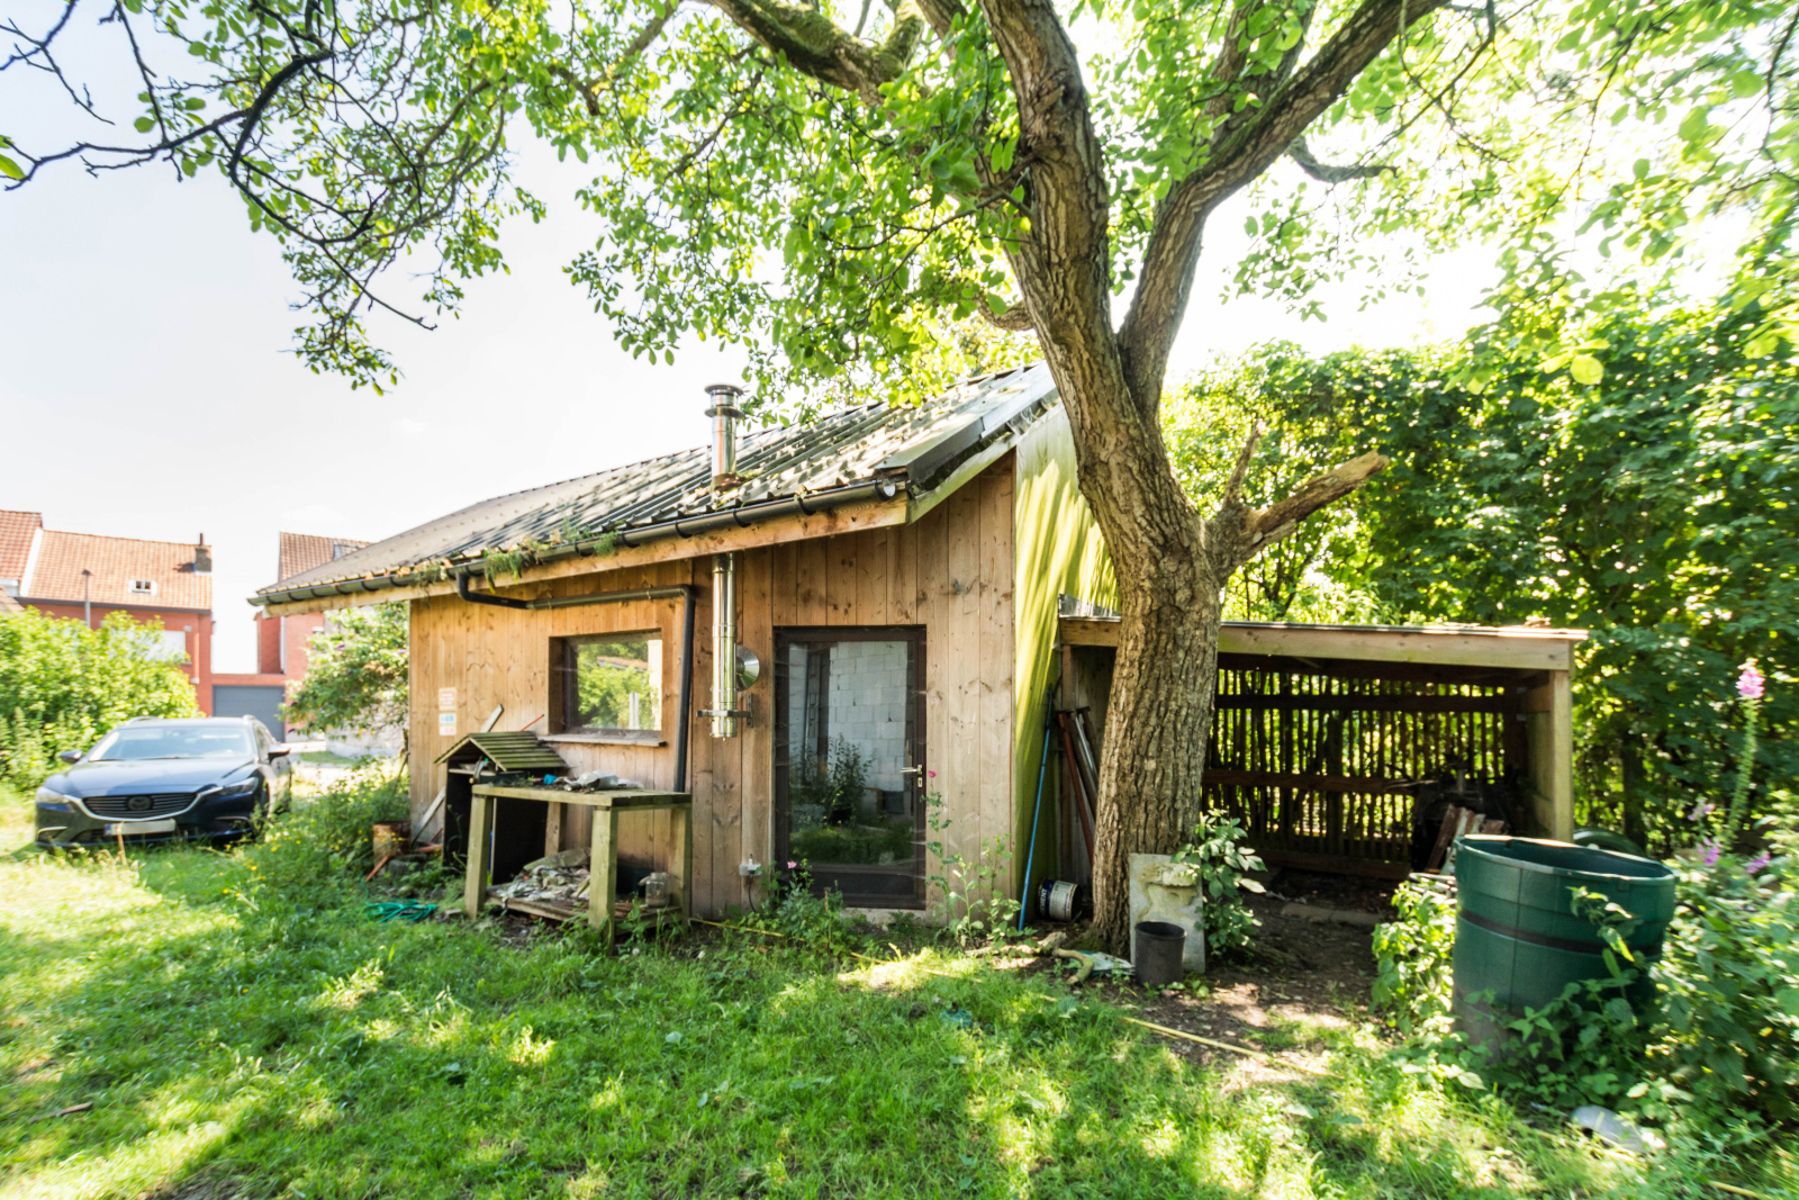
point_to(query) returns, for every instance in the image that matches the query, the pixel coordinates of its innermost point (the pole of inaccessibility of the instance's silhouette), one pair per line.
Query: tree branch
(814, 45)
(1166, 279)
(1331, 173)
(1280, 518)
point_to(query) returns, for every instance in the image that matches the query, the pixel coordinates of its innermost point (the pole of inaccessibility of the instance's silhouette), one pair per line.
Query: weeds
(970, 903)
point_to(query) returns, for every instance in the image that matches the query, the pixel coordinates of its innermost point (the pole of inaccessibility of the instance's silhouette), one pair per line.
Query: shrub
(1727, 1025)
(63, 685)
(1412, 959)
(1224, 862)
(327, 841)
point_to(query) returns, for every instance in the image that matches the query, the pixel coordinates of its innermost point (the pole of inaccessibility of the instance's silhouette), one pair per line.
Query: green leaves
(1649, 502)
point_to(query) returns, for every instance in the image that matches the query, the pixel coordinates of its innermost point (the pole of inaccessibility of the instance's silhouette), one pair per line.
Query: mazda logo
(138, 804)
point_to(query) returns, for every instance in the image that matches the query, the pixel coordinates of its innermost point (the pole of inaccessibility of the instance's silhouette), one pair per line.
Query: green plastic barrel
(1518, 941)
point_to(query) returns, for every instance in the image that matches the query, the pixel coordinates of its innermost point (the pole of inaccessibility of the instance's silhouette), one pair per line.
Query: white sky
(146, 391)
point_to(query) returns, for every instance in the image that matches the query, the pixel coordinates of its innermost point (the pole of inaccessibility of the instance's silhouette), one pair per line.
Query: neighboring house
(895, 571)
(281, 641)
(84, 576)
(281, 645)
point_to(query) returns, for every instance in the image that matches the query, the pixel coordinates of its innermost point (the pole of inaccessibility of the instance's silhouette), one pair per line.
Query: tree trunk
(1156, 731)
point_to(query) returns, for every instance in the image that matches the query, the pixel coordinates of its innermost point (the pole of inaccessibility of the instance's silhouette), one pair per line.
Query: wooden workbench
(603, 852)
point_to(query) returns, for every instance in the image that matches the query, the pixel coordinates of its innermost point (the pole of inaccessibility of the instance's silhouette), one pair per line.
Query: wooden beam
(1514, 648)
(875, 514)
(1353, 784)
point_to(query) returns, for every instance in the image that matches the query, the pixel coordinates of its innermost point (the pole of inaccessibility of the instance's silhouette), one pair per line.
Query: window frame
(564, 679)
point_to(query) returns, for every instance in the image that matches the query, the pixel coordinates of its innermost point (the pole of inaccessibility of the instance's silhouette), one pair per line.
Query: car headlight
(52, 799)
(236, 791)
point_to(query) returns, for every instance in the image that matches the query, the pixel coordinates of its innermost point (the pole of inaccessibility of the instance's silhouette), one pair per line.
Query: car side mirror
(70, 756)
(280, 750)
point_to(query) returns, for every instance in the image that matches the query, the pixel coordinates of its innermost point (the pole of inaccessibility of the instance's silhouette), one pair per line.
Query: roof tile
(301, 552)
(16, 531)
(114, 563)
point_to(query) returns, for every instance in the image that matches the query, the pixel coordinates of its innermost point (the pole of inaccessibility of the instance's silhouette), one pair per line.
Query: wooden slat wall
(951, 572)
(1323, 765)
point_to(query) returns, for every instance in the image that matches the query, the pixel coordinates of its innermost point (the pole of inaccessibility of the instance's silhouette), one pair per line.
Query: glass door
(849, 760)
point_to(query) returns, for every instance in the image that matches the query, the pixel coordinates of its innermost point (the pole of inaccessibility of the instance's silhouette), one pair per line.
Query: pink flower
(1751, 683)
(1712, 850)
(1700, 812)
(793, 865)
(931, 774)
(1757, 863)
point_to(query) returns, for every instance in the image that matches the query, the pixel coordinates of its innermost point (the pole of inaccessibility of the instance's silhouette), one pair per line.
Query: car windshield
(129, 743)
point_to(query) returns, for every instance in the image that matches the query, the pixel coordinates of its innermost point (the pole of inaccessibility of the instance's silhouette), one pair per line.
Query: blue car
(159, 780)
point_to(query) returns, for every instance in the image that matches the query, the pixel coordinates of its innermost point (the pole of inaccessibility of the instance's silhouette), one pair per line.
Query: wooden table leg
(552, 828)
(680, 857)
(602, 869)
(480, 856)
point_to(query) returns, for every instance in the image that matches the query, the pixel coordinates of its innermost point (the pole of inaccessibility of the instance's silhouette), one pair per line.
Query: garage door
(259, 700)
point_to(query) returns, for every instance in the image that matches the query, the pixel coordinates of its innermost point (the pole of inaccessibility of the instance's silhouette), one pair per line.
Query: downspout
(724, 413)
(684, 751)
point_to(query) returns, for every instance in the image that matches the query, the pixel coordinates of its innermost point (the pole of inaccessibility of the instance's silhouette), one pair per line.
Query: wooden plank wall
(951, 573)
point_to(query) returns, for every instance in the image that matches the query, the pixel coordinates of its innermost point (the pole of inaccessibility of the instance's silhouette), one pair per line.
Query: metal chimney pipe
(724, 412)
(724, 645)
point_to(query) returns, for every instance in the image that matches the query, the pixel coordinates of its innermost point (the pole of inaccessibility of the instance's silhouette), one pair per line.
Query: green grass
(241, 1039)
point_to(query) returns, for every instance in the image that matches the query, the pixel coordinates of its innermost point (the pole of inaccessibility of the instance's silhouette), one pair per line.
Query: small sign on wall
(446, 697)
(446, 723)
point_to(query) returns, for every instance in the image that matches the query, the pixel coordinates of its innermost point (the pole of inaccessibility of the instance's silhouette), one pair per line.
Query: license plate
(130, 827)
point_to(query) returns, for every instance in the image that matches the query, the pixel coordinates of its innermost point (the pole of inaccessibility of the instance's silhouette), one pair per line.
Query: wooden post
(552, 828)
(1549, 740)
(474, 888)
(680, 856)
(602, 868)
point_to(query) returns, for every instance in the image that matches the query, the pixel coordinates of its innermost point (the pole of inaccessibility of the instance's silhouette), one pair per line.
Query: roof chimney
(724, 413)
(202, 556)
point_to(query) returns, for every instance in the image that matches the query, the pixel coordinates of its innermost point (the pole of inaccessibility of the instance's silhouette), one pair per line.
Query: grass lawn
(240, 1040)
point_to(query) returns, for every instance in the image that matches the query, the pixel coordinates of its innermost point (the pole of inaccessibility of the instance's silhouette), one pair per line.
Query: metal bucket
(1060, 900)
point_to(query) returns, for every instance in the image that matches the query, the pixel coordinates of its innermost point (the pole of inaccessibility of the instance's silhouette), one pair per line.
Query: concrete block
(1155, 897)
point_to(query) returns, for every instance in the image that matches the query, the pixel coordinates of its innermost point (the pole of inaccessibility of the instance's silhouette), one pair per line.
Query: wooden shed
(818, 631)
(1329, 740)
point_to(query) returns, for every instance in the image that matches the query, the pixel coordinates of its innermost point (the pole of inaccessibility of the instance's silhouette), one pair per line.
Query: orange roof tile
(305, 551)
(16, 532)
(115, 562)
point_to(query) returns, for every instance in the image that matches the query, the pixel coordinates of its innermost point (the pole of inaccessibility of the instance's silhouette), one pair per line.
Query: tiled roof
(115, 562)
(912, 447)
(16, 531)
(302, 552)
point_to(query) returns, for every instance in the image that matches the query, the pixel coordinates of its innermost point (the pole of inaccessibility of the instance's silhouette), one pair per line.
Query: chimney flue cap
(724, 397)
